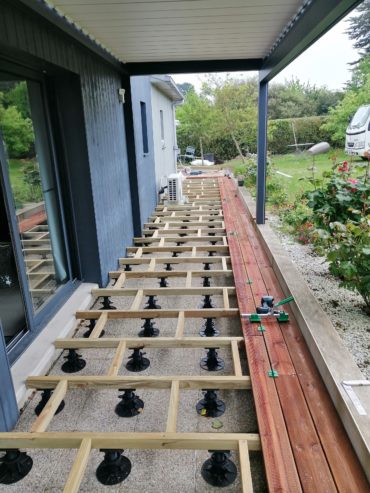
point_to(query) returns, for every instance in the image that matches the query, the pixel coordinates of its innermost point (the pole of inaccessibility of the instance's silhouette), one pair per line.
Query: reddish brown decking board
(30, 222)
(304, 444)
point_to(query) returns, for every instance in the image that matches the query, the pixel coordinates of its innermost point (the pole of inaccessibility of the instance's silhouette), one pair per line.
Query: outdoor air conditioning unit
(174, 188)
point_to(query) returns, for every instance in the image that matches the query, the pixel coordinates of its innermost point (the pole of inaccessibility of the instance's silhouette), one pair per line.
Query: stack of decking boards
(304, 444)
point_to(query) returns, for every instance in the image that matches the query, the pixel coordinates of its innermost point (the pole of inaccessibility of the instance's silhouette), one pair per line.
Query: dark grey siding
(32, 40)
(141, 92)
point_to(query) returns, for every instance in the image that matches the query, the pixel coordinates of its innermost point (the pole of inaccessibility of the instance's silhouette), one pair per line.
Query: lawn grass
(297, 166)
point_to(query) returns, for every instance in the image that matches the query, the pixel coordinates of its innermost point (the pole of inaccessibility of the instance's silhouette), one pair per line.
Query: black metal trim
(313, 21)
(193, 66)
(131, 156)
(356, 133)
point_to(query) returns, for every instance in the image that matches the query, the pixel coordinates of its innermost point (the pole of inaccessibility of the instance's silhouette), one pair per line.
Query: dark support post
(131, 156)
(262, 152)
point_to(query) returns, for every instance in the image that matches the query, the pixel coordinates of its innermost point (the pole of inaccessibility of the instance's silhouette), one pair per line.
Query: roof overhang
(167, 86)
(173, 36)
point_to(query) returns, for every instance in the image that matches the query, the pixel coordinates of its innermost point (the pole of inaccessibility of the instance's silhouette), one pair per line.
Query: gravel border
(343, 307)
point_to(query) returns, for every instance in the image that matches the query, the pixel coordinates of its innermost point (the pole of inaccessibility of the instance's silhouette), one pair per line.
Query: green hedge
(309, 129)
(279, 135)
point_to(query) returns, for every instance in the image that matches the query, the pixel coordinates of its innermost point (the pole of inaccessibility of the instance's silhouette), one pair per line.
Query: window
(162, 128)
(144, 127)
(33, 188)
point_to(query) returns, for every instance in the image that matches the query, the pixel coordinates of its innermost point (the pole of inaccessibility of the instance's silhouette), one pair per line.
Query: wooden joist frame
(202, 217)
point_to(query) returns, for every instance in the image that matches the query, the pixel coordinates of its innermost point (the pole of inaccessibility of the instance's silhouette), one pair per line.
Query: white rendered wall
(164, 151)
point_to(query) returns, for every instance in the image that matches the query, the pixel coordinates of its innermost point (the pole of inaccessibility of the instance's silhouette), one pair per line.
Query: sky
(325, 63)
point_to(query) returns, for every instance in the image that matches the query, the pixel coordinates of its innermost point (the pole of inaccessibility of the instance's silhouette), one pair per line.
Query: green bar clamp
(283, 316)
(261, 328)
(287, 300)
(273, 373)
(254, 317)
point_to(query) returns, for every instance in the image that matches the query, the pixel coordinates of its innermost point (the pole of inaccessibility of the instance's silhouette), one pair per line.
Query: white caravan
(358, 133)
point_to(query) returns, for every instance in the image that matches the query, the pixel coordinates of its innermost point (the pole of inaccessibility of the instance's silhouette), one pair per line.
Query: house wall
(164, 153)
(101, 198)
(145, 165)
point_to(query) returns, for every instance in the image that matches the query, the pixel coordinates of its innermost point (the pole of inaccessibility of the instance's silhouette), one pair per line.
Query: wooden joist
(172, 313)
(189, 230)
(151, 274)
(176, 239)
(185, 291)
(129, 440)
(139, 382)
(150, 342)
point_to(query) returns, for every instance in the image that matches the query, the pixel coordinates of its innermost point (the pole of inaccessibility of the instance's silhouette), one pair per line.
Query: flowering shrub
(340, 199)
(349, 255)
(341, 215)
(296, 218)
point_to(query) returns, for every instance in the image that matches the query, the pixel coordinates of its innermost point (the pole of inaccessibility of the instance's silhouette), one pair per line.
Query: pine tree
(359, 28)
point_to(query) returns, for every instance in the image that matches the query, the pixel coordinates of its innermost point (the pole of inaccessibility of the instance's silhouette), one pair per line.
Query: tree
(235, 104)
(295, 99)
(17, 132)
(18, 96)
(359, 28)
(357, 94)
(196, 120)
(186, 87)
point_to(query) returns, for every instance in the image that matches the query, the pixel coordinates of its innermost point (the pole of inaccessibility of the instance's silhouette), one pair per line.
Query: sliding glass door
(34, 260)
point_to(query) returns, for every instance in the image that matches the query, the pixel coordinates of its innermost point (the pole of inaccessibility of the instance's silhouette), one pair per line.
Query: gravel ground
(343, 307)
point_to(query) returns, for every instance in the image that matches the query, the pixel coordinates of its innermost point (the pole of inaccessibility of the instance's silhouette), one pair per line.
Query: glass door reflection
(33, 186)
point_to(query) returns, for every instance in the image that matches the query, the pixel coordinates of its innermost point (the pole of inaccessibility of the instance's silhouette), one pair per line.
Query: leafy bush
(349, 255)
(297, 221)
(17, 132)
(32, 180)
(249, 171)
(341, 214)
(275, 192)
(340, 199)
